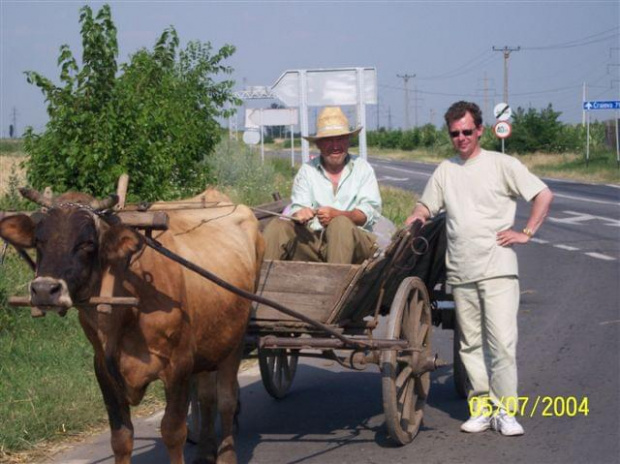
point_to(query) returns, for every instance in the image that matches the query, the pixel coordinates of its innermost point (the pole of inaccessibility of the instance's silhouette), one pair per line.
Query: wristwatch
(527, 231)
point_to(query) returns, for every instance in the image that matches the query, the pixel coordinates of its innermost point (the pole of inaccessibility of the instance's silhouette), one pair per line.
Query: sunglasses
(466, 133)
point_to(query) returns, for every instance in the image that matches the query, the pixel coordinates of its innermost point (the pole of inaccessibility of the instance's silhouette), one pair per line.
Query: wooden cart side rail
(348, 289)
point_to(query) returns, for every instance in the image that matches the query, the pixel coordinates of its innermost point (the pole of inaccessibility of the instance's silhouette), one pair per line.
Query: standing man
(478, 190)
(335, 202)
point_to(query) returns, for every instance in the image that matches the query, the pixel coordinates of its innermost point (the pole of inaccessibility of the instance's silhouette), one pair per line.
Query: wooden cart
(342, 306)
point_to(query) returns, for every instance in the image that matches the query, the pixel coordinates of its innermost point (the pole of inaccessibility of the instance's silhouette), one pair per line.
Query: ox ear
(18, 230)
(120, 243)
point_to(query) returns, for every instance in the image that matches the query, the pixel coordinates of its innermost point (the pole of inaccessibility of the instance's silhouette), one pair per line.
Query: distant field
(602, 167)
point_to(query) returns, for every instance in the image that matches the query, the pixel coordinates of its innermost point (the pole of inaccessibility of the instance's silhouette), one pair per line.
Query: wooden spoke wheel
(277, 370)
(461, 381)
(404, 382)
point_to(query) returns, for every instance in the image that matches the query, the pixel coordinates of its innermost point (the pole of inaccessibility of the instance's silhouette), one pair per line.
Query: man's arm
(538, 213)
(420, 213)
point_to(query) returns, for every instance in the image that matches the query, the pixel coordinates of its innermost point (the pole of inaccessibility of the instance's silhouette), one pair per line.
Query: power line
(594, 38)
(477, 61)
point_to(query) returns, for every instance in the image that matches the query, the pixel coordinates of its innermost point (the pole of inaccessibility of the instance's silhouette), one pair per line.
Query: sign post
(502, 127)
(594, 105)
(260, 117)
(303, 88)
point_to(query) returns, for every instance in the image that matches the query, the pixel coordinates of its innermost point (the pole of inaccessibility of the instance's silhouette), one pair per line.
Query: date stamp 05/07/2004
(546, 406)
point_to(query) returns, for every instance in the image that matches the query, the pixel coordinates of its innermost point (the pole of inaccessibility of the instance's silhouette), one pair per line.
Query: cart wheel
(461, 381)
(404, 393)
(193, 415)
(277, 370)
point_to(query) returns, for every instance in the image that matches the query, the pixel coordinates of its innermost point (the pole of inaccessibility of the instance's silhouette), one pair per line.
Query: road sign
(502, 111)
(255, 117)
(502, 129)
(303, 88)
(601, 105)
(323, 87)
(251, 137)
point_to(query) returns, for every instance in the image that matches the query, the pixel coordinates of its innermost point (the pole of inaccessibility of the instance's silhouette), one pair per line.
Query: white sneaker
(476, 424)
(506, 424)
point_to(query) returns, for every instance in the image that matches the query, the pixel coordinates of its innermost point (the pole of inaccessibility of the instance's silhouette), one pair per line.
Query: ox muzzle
(48, 293)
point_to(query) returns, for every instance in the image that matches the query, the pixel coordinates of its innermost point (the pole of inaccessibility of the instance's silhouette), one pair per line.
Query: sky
(447, 45)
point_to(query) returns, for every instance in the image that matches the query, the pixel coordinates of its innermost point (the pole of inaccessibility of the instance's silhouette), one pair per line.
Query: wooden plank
(157, 220)
(299, 277)
(95, 300)
(307, 308)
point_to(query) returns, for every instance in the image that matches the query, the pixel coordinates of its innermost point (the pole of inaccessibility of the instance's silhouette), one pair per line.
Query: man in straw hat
(335, 202)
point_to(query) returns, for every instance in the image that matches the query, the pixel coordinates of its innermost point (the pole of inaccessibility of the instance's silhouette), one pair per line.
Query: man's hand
(411, 219)
(304, 215)
(420, 213)
(509, 237)
(326, 214)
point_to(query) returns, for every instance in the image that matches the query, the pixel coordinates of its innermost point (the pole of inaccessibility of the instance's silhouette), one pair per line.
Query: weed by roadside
(11, 147)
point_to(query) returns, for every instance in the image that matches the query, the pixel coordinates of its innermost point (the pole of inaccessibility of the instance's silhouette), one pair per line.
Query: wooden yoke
(108, 280)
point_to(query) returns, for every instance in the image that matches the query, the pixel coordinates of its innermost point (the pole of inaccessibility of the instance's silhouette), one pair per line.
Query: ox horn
(106, 203)
(36, 197)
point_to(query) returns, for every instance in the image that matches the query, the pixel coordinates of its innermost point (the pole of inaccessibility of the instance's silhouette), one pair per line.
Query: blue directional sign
(601, 105)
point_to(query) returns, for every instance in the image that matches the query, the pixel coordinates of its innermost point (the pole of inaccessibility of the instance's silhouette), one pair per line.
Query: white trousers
(486, 312)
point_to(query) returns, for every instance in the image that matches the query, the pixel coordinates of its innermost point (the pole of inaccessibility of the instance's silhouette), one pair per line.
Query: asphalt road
(569, 336)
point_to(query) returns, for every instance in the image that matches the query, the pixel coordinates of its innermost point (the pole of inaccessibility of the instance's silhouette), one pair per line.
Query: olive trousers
(486, 312)
(341, 242)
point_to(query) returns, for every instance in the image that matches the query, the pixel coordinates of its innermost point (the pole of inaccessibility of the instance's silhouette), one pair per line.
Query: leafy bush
(156, 119)
(239, 171)
(535, 130)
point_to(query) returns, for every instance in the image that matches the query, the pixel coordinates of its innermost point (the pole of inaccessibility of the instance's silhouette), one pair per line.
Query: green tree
(535, 130)
(155, 118)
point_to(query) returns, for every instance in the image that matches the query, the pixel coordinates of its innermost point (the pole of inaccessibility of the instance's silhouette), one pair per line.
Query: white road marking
(566, 247)
(570, 197)
(579, 218)
(572, 248)
(409, 171)
(538, 240)
(601, 256)
(394, 179)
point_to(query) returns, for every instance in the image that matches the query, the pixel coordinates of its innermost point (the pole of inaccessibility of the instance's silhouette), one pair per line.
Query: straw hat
(331, 123)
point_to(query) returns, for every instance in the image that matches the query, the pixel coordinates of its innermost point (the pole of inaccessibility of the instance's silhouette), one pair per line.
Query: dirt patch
(9, 166)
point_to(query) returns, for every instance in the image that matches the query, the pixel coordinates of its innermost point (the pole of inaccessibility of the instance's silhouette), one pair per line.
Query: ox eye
(86, 247)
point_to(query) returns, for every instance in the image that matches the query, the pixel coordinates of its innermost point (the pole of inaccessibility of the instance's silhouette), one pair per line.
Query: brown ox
(183, 325)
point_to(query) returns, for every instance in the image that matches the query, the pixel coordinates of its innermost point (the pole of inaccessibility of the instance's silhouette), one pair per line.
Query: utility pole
(14, 121)
(506, 51)
(405, 78)
(389, 118)
(486, 97)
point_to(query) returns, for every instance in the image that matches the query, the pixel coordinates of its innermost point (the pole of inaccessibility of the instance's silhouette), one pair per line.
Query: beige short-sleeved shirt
(479, 196)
